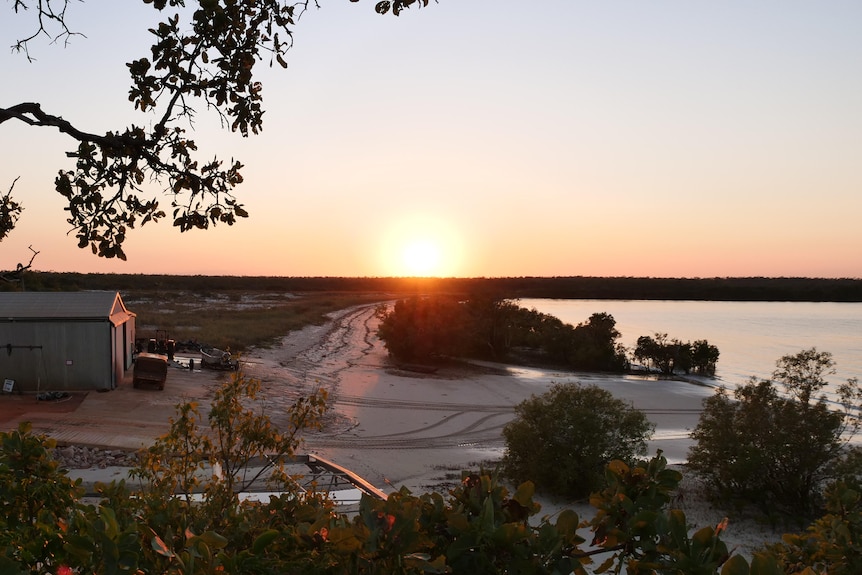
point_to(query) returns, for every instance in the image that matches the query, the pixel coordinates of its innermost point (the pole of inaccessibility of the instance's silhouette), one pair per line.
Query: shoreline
(437, 421)
(398, 428)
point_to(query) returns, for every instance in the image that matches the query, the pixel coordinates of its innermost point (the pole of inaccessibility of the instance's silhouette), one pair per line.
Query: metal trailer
(150, 369)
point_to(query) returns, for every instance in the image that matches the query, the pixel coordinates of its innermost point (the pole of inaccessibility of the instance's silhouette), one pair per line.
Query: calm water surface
(750, 336)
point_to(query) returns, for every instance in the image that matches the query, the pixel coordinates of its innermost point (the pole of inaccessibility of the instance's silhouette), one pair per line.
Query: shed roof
(82, 305)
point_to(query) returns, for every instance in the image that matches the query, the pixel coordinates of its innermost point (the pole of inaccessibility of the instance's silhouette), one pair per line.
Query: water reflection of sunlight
(529, 375)
(532, 375)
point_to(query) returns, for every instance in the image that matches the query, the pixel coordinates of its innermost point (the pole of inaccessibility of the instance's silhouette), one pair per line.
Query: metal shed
(64, 341)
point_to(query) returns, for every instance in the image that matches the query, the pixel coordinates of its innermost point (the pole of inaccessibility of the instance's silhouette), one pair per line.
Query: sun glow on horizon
(421, 247)
(421, 258)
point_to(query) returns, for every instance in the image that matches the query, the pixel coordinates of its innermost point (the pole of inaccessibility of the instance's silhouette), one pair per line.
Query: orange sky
(580, 138)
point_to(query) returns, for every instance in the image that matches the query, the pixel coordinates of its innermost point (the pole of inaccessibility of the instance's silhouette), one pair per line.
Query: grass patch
(233, 320)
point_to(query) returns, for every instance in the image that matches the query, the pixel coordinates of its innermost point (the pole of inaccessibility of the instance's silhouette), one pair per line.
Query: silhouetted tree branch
(10, 211)
(49, 14)
(206, 54)
(14, 276)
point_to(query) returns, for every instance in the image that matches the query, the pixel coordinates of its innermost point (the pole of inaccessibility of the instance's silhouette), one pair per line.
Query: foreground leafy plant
(831, 544)
(196, 475)
(36, 499)
(186, 519)
(634, 523)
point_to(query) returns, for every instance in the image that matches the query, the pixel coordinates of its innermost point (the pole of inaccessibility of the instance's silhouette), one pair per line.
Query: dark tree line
(716, 289)
(426, 329)
(672, 356)
(429, 328)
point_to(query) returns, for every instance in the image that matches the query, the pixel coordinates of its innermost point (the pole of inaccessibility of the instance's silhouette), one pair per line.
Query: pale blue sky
(572, 137)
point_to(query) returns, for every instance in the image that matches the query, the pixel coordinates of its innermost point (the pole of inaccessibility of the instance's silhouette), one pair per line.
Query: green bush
(775, 450)
(480, 528)
(562, 439)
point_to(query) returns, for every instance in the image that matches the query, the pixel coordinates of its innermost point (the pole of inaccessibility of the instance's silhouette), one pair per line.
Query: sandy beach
(400, 428)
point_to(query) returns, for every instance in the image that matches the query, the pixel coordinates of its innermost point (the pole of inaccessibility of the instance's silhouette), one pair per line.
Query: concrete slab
(123, 418)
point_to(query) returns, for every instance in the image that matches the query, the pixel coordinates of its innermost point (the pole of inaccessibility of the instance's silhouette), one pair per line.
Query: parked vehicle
(150, 369)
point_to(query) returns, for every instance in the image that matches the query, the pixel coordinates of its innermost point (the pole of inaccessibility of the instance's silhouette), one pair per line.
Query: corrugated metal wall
(61, 355)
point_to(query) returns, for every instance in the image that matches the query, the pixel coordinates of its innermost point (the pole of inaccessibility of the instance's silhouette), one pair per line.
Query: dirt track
(391, 426)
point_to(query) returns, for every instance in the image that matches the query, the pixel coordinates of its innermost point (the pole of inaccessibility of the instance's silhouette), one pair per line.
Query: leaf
(214, 540)
(618, 467)
(458, 522)
(678, 527)
(606, 564)
(344, 540)
(567, 523)
(79, 546)
(703, 536)
(112, 528)
(160, 547)
(263, 540)
(524, 494)
(765, 564)
(736, 565)
(486, 517)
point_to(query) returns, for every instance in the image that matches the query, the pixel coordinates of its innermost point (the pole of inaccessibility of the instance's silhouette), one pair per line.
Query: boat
(214, 358)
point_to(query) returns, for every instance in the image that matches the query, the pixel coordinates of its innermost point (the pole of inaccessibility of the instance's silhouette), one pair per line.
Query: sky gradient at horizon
(613, 138)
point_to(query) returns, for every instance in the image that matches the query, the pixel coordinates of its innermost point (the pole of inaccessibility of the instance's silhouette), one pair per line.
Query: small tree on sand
(773, 449)
(563, 439)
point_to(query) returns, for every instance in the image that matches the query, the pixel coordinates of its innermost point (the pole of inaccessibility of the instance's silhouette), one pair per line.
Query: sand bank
(404, 428)
(397, 428)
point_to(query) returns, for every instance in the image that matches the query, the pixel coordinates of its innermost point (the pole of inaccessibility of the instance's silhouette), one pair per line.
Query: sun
(421, 257)
(421, 246)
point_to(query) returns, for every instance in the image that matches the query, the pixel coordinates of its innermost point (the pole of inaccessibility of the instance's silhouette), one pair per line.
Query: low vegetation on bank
(233, 320)
(430, 329)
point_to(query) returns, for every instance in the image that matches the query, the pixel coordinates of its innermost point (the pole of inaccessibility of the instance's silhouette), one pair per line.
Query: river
(750, 336)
